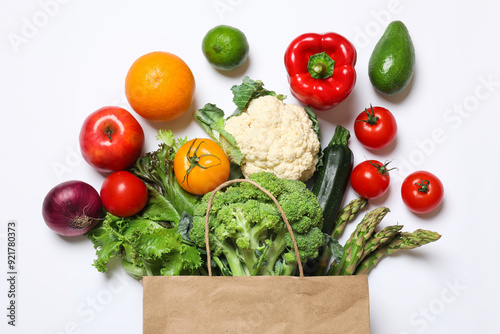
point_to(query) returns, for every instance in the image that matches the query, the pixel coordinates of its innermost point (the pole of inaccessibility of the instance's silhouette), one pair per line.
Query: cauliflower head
(275, 137)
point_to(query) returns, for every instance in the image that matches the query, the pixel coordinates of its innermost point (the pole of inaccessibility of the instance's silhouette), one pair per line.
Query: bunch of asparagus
(367, 246)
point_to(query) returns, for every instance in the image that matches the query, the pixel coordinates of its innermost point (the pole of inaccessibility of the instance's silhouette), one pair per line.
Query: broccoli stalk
(245, 237)
(247, 232)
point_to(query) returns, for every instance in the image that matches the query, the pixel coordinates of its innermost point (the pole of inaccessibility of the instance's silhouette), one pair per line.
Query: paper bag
(255, 304)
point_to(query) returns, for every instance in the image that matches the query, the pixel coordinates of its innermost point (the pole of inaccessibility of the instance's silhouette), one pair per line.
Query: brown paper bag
(256, 304)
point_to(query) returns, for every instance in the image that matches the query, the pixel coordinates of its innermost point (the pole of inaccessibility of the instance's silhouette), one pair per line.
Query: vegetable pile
(151, 214)
(150, 242)
(247, 234)
(265, 134)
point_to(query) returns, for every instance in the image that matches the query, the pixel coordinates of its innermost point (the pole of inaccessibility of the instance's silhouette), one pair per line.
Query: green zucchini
(332, 178)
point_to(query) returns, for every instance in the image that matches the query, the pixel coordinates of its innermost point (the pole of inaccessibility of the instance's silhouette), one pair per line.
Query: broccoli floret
(300, 207)
(269, 182)
(308, 243)
(247, 233)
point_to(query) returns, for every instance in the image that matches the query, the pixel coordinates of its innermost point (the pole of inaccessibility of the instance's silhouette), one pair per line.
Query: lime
(225, 47)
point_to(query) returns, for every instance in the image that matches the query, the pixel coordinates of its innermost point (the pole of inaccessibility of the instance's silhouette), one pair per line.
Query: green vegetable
(381, 238)
(366, 247)
(333, 251)
(347, 215)
(249, 90)
(212, 120)
(247, 235)
(332, 177)
(392, 61)
(150, 243)
(146, 247)
(156, 169)
(404, 240)
(354, 247)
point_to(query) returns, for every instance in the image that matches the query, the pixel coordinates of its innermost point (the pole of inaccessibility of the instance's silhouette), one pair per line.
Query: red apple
(111, 139)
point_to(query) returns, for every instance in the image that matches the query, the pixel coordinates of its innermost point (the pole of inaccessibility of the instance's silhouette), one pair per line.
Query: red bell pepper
(321, 69)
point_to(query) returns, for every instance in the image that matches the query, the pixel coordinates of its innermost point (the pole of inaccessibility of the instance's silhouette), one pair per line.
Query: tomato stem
(372, 119)
(423, 187)
(382, 169)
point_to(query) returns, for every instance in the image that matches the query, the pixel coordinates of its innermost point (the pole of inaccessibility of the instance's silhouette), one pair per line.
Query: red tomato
(370, 179)
(422, 192)
(123, 194)
(375, 128)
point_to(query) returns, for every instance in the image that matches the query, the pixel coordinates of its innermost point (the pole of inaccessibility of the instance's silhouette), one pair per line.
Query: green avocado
(392, 61)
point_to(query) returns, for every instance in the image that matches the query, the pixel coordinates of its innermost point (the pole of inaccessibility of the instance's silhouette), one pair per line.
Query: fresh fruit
(123, 194)
(392, 61)
(225, 47)
(422, 192)
(160, 86)
(111, 139)
(375, 128)
(370, 179)
(200, 166)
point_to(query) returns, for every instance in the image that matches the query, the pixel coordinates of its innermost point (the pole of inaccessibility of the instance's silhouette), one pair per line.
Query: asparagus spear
(381, 238)
(354, 246)
(347, 215)
(406, 240)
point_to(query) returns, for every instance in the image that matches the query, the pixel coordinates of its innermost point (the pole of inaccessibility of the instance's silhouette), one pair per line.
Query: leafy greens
(149, 243)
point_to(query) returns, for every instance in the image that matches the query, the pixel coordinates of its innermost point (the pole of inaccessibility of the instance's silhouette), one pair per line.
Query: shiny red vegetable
(321, 69)
(375, 128)
(422, 191)
(123, 194)
(370, 179)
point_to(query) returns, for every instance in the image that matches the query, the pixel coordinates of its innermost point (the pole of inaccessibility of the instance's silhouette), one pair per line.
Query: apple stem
(109, 132)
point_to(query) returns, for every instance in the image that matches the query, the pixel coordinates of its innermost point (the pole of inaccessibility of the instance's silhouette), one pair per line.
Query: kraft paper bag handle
(225, 184)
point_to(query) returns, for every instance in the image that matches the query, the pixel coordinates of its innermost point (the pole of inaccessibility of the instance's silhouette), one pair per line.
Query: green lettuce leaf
(336, 249)
(145, 247)
(156, 169)
(148, 243)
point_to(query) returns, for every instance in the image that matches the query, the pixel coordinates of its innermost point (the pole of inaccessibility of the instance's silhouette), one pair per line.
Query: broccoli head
(247, 234)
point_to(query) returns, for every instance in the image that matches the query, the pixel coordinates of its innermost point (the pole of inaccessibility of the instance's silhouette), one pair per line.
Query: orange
(160, 86)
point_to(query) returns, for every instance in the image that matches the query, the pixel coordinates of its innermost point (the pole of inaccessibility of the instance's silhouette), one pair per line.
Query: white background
(61, 60)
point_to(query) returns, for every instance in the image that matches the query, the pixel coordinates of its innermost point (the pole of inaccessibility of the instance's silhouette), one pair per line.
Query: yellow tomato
(200, 166)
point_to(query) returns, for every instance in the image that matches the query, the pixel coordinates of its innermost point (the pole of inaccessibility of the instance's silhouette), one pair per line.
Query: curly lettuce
(150, 242)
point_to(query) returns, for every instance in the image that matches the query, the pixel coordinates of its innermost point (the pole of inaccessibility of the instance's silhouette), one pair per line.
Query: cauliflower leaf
(249, 90)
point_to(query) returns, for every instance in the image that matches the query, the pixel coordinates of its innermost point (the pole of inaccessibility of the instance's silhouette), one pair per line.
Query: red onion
(72, 208)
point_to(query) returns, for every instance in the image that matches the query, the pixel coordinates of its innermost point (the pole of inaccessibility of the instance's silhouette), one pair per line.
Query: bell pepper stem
(320, 65)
